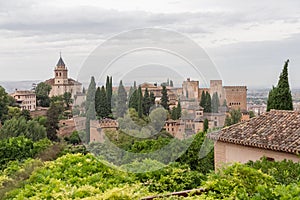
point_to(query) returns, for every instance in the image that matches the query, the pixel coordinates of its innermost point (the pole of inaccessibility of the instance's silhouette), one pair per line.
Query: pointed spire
(60, 62)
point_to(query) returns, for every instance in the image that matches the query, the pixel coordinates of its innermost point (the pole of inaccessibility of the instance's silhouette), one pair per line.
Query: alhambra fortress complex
(193, 115)
(269, 134)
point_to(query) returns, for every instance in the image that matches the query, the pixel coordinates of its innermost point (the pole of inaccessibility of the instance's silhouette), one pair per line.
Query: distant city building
(26, 99)
(61, 83)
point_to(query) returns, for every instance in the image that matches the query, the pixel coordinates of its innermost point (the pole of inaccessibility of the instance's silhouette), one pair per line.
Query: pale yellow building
(26, 99)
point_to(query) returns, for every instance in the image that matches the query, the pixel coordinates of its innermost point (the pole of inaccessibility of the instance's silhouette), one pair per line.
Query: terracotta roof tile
(275, 130)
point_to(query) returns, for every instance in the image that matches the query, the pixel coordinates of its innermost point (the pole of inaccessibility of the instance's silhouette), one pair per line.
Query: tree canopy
(280, 97)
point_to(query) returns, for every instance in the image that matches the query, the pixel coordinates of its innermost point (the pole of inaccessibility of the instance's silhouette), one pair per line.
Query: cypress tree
(140, 102)
(215, 103)
(121, 100)
(164, 99)
(207, 107)
(152, 98)
(103, 105)
(146, 102)
(98, 101)
(205, 125)
(133, 101)
(203, 100)
(178, 109)
(90, 107)
(280, 97)
(108, 88)
(174, 115)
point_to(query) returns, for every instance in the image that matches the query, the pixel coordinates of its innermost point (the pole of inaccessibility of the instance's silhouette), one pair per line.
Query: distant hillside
(10, 86)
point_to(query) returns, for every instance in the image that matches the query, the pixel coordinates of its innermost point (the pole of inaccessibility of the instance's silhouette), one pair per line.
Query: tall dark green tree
(234, 117)
(4, 102)
(67, 97)
(90, 107)
(164, 99)
(108, 89)
(174, 113)
(55, 109)
(133, 101)
(207, 107)
(152, 98)
(280, 97)
(131, 90)
(205, 125)
(215, 103)
(103, 108)
(178, 109)
(140, 102)
(97, 100)
(121, 106)
(203, 99)
(90, 94)
(146, 102)
(42, 91)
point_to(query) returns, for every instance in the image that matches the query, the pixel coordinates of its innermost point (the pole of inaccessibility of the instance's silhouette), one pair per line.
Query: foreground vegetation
(74, 175)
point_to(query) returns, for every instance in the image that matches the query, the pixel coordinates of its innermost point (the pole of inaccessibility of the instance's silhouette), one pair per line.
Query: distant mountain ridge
(11, 86)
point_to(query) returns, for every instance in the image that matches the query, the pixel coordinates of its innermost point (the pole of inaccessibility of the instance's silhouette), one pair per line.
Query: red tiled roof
(275, 130)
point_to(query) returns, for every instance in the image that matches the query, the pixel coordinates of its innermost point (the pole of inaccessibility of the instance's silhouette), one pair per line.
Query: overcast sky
(248, 41)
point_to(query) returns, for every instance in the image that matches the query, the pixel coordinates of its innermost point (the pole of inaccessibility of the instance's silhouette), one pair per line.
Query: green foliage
(215, 103)
(146, 102)
(19, 148)
(280, 97)
(4, 102)
(203, 99)
(164, 98)
(171, 178)
(234, 117)
(121, 106)
(236, 182)
(285, 172)
(20, 127)
(205, 125)
(26, 114)
(133, 100)
(251, 114)
(176, 111)
(67, 97)
(42, 91)
(108, 89)
(53, 114)
(207, 107)
(101, 103)
(69, 177)
(74, 138)
(140, 102)
(205, 102)
(200, 154)
(152, 98)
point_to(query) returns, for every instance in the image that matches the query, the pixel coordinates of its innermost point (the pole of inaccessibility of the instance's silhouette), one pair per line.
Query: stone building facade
(61, 83)
(26, 99)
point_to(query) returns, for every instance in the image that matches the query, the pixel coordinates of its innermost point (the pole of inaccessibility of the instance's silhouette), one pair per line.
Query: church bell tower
(60, 72)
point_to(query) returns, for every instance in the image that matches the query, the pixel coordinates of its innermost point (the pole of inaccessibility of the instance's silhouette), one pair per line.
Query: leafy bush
(71, 176)
(20, 127)
(284, 172)
(20, 148)
(237, 182)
